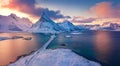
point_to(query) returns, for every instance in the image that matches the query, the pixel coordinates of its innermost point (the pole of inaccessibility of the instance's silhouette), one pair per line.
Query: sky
(76, 11)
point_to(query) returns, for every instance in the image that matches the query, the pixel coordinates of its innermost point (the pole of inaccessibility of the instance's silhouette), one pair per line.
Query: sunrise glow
(95, 12)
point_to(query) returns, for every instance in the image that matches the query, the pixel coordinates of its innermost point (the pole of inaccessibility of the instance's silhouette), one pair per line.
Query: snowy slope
(45, 25)
(57, 57)
(14, 23)
(82, 27)
(67, 26)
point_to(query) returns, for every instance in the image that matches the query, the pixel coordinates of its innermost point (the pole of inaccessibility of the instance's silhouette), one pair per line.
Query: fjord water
(100, 46)
(12, 48)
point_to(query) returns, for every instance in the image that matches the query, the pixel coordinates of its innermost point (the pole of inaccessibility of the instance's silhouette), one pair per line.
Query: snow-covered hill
(56, 57)
(67, 26)
(13, 23)
(45, 25)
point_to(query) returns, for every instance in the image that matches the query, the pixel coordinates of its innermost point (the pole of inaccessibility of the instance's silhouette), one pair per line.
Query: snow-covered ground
(57, 57)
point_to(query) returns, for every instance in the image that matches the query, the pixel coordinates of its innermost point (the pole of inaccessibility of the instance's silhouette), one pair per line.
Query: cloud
(28, 6)
(106, 9)
(82, 20)
(4, 2)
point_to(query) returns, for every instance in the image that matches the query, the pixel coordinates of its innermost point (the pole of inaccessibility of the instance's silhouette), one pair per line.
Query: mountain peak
(66, 21)
(13, 16)
(45, 18)
(14, 23)
(46, 25)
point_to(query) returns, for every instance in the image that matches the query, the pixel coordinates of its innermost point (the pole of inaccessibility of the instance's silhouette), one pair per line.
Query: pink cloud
(106, 9)
(82, 20)
(28, 7)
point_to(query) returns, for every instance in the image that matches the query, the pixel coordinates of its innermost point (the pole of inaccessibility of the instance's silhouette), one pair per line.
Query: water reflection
(103, 45)
(11, 49)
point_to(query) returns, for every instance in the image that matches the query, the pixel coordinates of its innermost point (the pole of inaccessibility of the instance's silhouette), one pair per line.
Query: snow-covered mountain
(108, 26)
(67, 26)
(45, 25)
(95, 27)
(13, 23)
(104, 20)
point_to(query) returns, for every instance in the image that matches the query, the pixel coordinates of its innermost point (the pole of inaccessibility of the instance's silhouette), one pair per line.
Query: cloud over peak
(28, 7)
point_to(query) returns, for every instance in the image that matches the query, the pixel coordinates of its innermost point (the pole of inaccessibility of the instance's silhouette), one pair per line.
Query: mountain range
(107, 26)
(47, 25)
(12, 23)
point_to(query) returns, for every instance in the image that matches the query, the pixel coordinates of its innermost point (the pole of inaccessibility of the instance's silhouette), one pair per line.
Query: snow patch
(68, 36)
(76, 32)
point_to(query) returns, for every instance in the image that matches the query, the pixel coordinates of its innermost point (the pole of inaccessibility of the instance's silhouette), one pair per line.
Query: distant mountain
(45, 25)
(68, 26)
(95, 27)
(108, 26)
(13, 23)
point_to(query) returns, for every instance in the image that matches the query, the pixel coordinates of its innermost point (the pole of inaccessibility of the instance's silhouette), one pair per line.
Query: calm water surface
(100, 46)
(11, 49)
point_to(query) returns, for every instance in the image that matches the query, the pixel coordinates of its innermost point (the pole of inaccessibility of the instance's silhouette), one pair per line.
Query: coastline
(59, 56)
